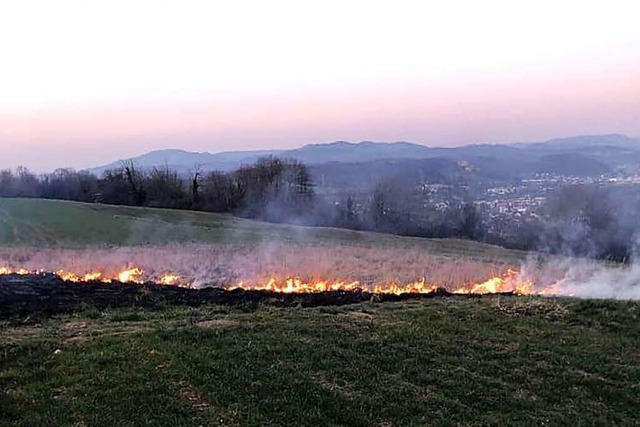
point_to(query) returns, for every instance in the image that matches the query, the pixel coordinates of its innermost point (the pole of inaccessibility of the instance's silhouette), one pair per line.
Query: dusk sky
(84, 83)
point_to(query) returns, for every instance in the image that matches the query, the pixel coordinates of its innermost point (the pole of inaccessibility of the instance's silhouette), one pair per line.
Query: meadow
(494, 360)
(469, 362)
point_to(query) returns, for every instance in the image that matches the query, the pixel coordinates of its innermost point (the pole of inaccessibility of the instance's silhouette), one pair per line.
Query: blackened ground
(48, 294)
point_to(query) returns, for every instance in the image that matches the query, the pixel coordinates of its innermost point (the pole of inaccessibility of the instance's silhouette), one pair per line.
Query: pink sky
(88, 83)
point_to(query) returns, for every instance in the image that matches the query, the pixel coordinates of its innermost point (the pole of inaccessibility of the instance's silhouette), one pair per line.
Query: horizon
(212, 78)
(90, 167)
(178, 149)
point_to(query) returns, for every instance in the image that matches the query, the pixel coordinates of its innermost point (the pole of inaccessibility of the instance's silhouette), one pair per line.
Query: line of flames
(128, 275)
(508, 282)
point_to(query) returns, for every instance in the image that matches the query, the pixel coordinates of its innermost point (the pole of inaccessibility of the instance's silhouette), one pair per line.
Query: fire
(20, 271)
(510, 282)
(299, 286)
(169, 279)
(71, 277)
(420, 287)
(131, 275)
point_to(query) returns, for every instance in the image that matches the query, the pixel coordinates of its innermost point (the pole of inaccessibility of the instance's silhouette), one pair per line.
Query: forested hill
(583, 155)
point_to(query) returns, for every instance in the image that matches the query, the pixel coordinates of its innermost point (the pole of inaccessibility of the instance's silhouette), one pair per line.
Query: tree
(26, 183)
(219, 193)
(471, 226)
(114, 188)
(135, 179)
(7, 183)
(195, 188)
(164, 188)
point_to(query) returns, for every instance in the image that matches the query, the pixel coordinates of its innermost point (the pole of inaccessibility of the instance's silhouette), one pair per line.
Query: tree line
(271, 189)
(579, 220)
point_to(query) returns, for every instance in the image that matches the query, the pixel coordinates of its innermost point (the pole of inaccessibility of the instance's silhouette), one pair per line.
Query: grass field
(47, 223)
(203, 248)
(444, 361)
(492, 361)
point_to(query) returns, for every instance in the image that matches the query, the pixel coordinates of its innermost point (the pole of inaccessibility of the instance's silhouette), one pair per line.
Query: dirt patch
(12, 335)
(360, 315)
(82, 335)
(191, 396)
(217, 323)
(523, 394)
(73, 332)
(531, 307)
(203, 409)
(343, 388)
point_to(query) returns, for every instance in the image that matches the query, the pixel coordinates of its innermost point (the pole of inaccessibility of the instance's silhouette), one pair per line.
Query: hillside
(47, 223)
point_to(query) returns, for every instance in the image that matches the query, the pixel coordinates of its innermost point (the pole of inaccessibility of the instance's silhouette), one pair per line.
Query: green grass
(55, 223)
(492, 361)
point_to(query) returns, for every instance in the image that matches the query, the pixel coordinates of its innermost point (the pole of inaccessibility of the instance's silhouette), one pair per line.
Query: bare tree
(135, 179)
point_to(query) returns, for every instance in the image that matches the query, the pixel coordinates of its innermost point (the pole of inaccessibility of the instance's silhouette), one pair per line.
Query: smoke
(583, 278)
(591, 221)
(600, 282)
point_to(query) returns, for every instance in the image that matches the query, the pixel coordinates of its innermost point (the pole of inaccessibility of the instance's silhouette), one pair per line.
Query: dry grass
(225, 265)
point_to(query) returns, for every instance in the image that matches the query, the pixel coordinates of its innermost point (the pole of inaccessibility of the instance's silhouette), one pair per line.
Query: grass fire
(209, 320)
(273, 214)
(510, 282)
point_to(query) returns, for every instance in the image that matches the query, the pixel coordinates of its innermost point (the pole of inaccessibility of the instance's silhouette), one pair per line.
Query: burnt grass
(48, 294)
(497, 360)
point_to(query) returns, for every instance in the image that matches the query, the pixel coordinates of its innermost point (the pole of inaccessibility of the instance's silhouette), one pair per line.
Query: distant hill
(186, 161)
(583, 141)
(582, 155)
(340, 151)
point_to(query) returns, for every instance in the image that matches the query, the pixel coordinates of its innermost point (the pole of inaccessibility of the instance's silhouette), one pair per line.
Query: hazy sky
(84, 82)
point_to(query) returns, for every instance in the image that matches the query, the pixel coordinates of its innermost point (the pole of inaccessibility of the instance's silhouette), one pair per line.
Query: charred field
(105, 353)
(47, 294)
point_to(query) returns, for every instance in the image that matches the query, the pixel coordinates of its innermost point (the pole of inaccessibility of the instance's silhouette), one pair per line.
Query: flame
(420, 287)
(511, 281)
(20, 271)
(131, 275)
(298, 286)
(71, 277)
(169, 279)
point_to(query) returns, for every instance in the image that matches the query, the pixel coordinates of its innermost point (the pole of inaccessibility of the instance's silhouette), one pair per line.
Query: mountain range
(581, 155)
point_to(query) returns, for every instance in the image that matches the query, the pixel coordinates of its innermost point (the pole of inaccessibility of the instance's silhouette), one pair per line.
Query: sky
(84, 83)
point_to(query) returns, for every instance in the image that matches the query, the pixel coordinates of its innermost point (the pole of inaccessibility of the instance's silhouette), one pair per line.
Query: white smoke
(584, 278)
(621, 283)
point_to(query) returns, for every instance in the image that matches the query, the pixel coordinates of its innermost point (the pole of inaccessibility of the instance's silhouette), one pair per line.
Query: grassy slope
(493, 361)
(59, 223)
